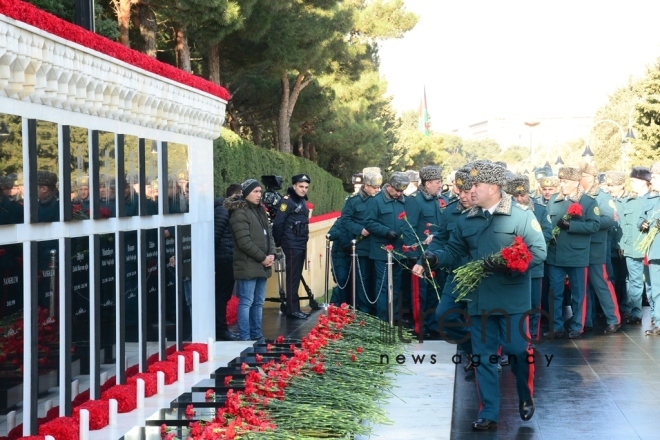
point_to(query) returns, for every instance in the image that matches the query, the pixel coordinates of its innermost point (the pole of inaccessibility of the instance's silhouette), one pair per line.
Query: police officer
(353, 215)
(518, 188)
(501, 298)
(291, 232)
(386, 226)
(568, 251)
(450, 314)
(638, 273)
(599, 281)
(49, 198)
(426, 292)
(615, 181)
(650, 218)
(547, 187)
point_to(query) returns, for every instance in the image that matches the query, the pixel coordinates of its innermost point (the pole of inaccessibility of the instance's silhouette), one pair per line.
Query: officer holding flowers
(388, 229)
(577, 217)
(499, 301)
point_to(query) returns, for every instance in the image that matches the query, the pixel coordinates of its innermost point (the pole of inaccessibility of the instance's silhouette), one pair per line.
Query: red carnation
(389, 248)
(99, 413)
(402, 215)
(427, 232)
(442, 203)
(405, 248)
(310, 206)
(575, 210)
(125, 395)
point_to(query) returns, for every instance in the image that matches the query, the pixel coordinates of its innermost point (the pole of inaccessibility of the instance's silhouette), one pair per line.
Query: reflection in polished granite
(598, 387)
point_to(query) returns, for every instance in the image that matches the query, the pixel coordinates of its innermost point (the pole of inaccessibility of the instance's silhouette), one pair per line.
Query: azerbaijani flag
(424, 124)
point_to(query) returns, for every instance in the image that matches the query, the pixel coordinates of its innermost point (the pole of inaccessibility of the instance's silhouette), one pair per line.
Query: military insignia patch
(611, 204)
(283, 207)
(596, 210)
(459, 182)
(520, 188)
(473, 172)
(536, 225)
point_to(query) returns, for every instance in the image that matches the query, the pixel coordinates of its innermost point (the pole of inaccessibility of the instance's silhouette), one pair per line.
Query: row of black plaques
(127, 180)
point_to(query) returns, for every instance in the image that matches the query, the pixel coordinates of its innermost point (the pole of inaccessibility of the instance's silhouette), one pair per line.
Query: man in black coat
(224, 272)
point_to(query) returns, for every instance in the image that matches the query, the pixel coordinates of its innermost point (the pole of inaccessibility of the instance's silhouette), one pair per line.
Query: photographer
(291, 232)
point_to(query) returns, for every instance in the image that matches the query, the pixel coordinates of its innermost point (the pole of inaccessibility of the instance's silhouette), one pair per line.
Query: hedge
(236, 159)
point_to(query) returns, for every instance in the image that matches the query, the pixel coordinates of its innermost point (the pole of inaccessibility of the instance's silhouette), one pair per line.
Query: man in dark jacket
(254, 254)
(291, 232)
(224, 272)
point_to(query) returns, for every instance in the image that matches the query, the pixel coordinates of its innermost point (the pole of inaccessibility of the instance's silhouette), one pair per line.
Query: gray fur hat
(655, 168)
(483, 171)
(372, 179)
(46, 178)
(549, 182)
(413, 175)
(570, 173)
(462, 179)
(399, 180)
(641, 173)
(519, 184)
(589, 168)
(430, 172)
(613, 177)
(6, 182)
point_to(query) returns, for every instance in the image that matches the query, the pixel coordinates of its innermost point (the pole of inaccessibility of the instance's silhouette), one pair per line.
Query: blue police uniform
(354, 214)
(638, 273)
(291, 232)
(424, 293)
(499, 305)
(385, 214)
(568, 254)
(600, 285)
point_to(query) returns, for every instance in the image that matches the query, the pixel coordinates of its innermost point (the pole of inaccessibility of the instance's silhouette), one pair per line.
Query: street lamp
(559, 161)
(588, 154)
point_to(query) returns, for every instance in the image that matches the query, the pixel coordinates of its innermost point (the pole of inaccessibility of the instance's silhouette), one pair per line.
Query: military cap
(484, 171)
(501, 163)
(570, 173)
(641, 173)
(549, 182)
(46, 178)
(107, 182)
(154, 184)
(399, 180)
(82, 181)
(132, 178)
(372, 169)
(589, 168)
(518, 184)
(6, 182)
(182, 175)
(430, 172)
(655, 168)
(413, 175)
(357, 178)
(300, 178)
(613, 177)
(372, 179)
(462, 179)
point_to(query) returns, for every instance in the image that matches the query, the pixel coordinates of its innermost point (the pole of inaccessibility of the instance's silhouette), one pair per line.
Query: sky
(518, 59)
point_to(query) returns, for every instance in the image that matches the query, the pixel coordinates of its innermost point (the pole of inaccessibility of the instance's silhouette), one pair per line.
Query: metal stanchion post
(354, 271)
(390, 290)
(327, 270)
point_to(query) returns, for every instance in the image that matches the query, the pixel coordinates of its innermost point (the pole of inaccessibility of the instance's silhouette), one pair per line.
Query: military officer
(353, 215)
(599, 281)
(81, 200)
(291, 232)
(650, 218)
(518, 188)
(500, 300)
(449, 313)
(638, 273)
(547, 187)
(568, 251)
(615, 181)
(48, 196)
(413, 175)
(386, 225)
(426, 292)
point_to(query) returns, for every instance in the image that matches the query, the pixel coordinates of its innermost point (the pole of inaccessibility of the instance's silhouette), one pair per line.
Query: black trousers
(224, 286)
(295, 260)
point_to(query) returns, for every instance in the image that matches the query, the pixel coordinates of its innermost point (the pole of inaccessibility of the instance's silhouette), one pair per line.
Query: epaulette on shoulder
(414, 194)
(286, 197)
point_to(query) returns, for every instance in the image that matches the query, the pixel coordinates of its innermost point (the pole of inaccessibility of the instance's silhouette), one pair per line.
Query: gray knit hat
(248, 186)
(46, 178)
(483, 171)
(570, 173)
(372, 179)
(399, 180)
(519, 184)
(430, 172)
(613, 177)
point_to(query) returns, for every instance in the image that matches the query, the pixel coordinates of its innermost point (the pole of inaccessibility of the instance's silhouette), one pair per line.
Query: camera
(271, 198)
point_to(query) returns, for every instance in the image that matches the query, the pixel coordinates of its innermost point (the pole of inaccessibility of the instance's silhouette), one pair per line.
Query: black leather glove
(563, 224)
(391, 235)
(492, 266)
(430, 260)
(410, 262)
(644, 226)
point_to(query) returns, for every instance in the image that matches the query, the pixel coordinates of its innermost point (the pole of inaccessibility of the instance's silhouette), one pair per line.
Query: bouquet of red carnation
(574, 211)
(62, 428)
(125, 395)
(99, 413)
(467, 277)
